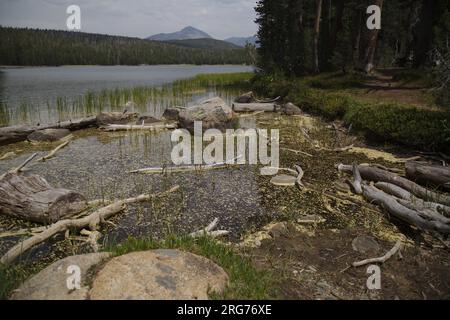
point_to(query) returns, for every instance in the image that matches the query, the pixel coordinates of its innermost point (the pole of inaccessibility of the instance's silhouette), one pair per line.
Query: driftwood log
(30, 197)
(147, 127)
(378, 175)
(19, 133)
(249, 107)
(91, 222)
(429, 174)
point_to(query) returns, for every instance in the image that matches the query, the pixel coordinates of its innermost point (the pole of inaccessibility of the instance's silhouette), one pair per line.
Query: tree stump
(30, 197)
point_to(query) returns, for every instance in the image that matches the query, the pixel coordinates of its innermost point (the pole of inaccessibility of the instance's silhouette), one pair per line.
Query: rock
(278, 230)
(147, 120)
(290, 109)
(160, 275)
(172, 113)
(51, 283)
(284, 180)
(214, 113)
(365, 244)
(245, 98)
(105, 118)
(48, 135)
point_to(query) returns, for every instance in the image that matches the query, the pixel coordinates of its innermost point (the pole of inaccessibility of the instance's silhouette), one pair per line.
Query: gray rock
(51, 283)
(160, 275)
(365, 244)
(105, 118)
(278, 230)
(214, 113)
(245, 98)
(172, 113)
(48, 135)
(290, 109)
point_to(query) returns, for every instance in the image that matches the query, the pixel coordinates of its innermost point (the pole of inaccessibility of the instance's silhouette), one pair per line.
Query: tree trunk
(429, 174)
(337, 24)
(424, 32)
(31, 198)
(369, 45)
(316, 35)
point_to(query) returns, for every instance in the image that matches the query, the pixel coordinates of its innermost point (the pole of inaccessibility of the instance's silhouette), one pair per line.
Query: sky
(136, 18)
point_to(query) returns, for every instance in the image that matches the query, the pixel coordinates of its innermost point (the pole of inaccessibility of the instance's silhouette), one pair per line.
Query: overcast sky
(136, 18)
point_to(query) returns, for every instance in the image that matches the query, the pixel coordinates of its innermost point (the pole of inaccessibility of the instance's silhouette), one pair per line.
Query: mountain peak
(188, 32)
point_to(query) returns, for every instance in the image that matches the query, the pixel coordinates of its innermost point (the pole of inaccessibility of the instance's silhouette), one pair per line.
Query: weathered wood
(19, 133)
(248, 107)
(91, 221)
(429, 174)
(398, 246)
(147, 127)
(30, 197)
(378, 175)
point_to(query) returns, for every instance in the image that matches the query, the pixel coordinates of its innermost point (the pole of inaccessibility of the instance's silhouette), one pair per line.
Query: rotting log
(91, 221)
(148, 127)
(428, 174)
(249, 107)
(378, 175)
(30, 197)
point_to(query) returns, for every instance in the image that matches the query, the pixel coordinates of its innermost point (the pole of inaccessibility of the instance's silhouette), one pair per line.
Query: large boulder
(51, 283)
(172, 113)
(158, 275)
(245, 98)
(290, 109)
(48, 135)
(214, 113)
(105, 118)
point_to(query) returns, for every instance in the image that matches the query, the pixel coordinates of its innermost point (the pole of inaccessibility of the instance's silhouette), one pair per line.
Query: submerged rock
(48, 135)
(160, 275)
(51, 283)
(214, 113)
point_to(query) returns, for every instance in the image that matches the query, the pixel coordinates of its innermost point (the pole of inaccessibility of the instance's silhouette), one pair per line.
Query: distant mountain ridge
(205, 43)
(187, 33)
(242, 41)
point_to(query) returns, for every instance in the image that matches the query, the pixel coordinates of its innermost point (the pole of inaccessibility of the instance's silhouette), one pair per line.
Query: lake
(44, 94)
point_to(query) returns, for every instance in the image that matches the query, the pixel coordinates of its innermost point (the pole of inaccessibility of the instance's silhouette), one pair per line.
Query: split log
(428, 174)
(91, 221)
(397, 248)
(151, 127)
(31, 198)
(378, 175)
(248, 107)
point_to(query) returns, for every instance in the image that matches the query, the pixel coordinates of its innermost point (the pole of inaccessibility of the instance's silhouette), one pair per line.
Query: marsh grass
(12, 277)
(246, 282)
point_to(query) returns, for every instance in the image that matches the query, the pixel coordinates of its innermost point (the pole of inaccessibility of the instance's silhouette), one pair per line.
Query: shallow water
(47, 94)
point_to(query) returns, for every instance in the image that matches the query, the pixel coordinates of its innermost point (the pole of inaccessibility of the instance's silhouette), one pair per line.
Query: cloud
(136, 18)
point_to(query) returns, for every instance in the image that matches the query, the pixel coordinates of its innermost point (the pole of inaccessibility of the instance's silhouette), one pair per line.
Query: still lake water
(29, 95)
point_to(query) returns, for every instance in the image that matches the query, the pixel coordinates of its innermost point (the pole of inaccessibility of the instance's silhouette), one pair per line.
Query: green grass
(246, 282)
(11, 278)
(335, 96)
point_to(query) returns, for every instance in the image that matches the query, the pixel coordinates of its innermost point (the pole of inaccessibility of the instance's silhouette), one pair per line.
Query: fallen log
(248, 107)
(149, 127)
(378, 175)
(91, 221)
(19, 133)
(52, 153)
(31, 198)
(428, 174)
(209, 231)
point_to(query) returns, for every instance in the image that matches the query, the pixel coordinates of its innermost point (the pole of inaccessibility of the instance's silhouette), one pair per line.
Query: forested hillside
(311, 36)
(31, 47)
